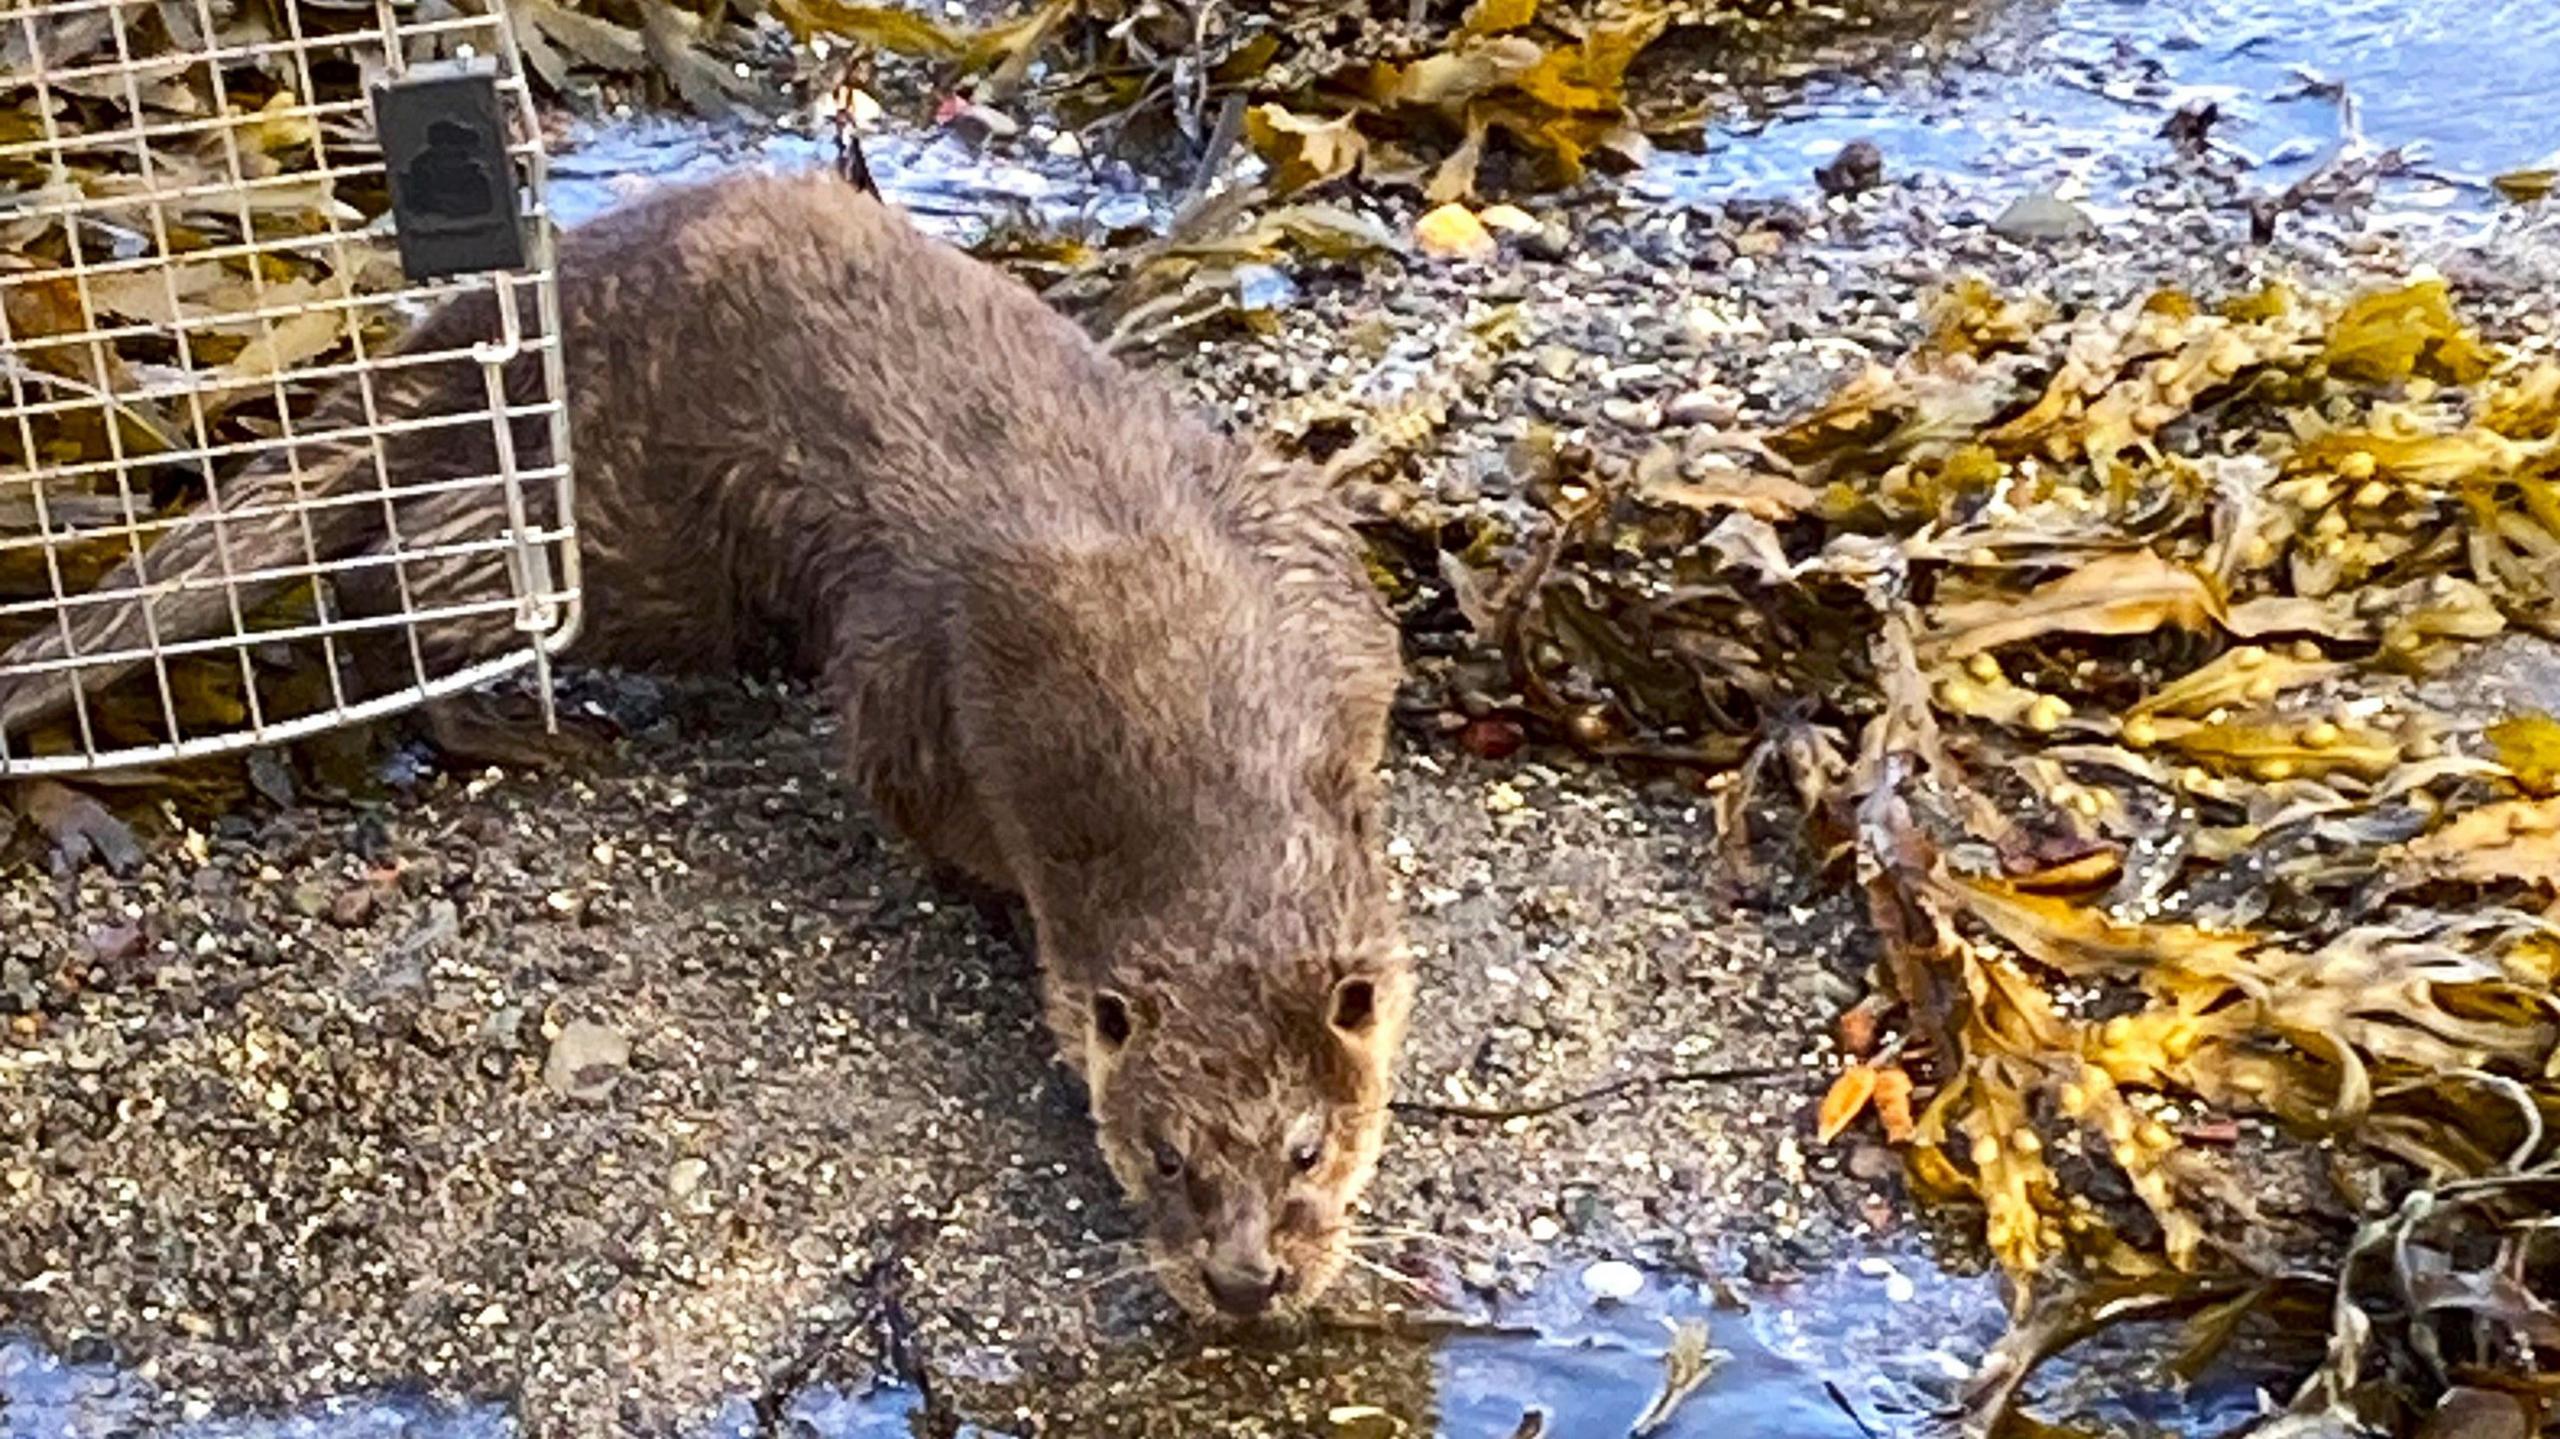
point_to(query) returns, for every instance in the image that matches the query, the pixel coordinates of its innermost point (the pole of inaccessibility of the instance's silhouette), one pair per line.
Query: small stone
(979, 124)
(1858, 168)
(1699, 407)
(2040, 217)
(1612, 1281)
(1544, 1229)
(1552, 242)
(1757, 245)
(585, 1061)
(271, 777)
(352, 907)
(685, 1176)
(1453, 232)
(1511, 220)
(1492, 738)
(311, 901)
(116, 943)
(1634, 414)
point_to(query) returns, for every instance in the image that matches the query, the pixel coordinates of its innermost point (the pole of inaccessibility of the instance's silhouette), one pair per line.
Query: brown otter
(1087, 649)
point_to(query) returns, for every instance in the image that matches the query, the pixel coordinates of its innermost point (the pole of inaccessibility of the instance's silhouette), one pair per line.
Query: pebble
(2041, 216)
(1634, 414)
(1699, 407)
(585, 1061)
(116, 943)
(685, 1176)
(980, 124)
(1544, 1229)
(1859, 167)
(1612, 1281)
(1872, 1162)
(1453, 232)
(1897, 1285)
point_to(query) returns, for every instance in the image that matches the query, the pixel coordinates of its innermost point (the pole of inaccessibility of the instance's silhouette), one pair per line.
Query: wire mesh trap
(245, 496)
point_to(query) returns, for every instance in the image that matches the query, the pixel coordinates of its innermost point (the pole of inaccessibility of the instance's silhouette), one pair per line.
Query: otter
(1088, 650)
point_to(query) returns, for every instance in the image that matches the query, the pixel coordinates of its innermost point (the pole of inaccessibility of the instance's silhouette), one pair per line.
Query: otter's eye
(1304, 1157)
(1168, 1160)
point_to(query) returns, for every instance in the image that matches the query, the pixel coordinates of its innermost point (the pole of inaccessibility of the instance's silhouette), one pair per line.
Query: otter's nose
(1243, 1290)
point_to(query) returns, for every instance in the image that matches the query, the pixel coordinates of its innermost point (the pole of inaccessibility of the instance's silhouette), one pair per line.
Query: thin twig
(1213, 157)
(1497, 1113)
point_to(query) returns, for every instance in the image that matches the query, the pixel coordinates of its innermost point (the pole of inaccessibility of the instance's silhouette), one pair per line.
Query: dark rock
(1858, 168)
(2191, 128)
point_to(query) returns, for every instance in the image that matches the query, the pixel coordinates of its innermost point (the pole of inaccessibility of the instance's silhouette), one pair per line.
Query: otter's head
(1245, 1122)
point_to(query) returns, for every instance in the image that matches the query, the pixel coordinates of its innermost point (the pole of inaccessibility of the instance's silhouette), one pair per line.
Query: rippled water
(2073, 93)
(946, 183)
(1873, 1350)
(1847, 1355)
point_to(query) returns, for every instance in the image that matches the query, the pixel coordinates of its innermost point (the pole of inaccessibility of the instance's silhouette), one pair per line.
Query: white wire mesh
(197, 288)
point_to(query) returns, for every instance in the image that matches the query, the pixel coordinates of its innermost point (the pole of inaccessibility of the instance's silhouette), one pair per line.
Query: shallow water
(1872, 1350)
(2072, 93)
(1990, 101)
(1847, 1354)
(950, 186)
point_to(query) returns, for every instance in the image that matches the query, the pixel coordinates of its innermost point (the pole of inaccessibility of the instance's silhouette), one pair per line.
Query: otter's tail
(264, 531)
(289, 517)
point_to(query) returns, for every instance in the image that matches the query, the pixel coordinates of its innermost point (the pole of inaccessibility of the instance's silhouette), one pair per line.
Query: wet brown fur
(1086, 649)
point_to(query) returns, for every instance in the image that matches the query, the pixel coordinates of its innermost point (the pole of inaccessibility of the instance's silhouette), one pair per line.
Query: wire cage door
(221, 224)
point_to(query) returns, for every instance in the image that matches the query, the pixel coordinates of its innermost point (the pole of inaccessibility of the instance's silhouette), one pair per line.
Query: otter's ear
(1354, 1009)
(1113, 1021)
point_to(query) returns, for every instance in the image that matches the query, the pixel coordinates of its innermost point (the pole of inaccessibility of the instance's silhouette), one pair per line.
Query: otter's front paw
(78, 828)
(482, 729)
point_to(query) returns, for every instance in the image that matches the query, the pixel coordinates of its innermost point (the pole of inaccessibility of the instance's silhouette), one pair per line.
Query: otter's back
(782, 388)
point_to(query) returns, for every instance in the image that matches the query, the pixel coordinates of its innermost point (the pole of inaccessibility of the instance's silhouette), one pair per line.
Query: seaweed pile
(2167, 678)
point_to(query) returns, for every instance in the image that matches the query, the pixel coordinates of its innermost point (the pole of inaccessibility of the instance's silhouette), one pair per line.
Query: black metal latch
(454, 204)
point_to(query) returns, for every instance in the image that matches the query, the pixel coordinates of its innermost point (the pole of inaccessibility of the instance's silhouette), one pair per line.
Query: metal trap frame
(212, 217)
